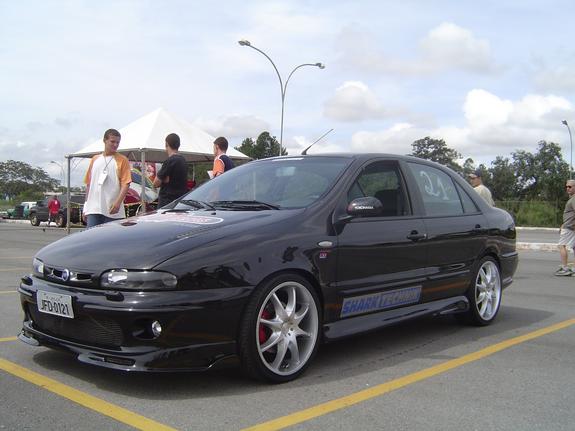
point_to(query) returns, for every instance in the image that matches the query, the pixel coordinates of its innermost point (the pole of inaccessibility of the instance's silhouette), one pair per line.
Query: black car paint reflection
(270, 259)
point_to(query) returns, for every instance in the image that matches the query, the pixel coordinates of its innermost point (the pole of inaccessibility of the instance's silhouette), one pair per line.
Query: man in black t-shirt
(173, 174)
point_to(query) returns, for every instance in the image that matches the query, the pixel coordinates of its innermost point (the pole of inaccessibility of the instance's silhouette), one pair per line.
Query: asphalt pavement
(429, 374)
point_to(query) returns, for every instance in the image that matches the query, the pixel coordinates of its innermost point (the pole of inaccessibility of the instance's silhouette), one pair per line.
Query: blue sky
(488, 77)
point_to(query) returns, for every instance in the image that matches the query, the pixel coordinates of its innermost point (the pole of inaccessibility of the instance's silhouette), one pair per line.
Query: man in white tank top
(107, 181)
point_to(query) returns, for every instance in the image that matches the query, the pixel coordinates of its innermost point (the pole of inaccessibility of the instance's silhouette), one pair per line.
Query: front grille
(64, 276)
(100, 332)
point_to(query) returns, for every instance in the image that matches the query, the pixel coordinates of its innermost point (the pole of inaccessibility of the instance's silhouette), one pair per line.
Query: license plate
(54, 303)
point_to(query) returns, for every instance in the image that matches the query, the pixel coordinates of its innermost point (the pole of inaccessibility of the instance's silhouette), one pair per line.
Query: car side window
(381, 180)
(437, 189)
(468, 204)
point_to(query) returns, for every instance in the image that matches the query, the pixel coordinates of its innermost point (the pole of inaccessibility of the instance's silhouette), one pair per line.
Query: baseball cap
(475, 173)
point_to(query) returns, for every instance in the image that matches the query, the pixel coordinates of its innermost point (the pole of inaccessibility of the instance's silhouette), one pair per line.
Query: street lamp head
(564, 122)
(320, 65)
(244, 42)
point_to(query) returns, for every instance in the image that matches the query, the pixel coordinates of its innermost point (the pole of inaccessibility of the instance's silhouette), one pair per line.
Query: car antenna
(304, 152)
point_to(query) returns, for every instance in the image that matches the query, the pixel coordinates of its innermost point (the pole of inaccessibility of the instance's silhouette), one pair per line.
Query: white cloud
(559, 79)
(233, 126)
(353, 101)
(396, 140)
(447, 46)
(485, 110)
(494, 126)
(451, 46)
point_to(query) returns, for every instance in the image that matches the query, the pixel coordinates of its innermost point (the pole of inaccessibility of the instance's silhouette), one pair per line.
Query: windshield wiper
(246, 205)
(196, 204)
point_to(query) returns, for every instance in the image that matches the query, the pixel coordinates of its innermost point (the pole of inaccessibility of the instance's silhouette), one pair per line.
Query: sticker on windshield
(169, 217)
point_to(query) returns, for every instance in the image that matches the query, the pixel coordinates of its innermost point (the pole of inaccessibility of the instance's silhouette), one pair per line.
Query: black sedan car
(263, 263)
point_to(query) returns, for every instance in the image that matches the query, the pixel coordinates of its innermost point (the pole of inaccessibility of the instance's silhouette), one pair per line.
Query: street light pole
(571, 141)
(61, 172)
(283, 86)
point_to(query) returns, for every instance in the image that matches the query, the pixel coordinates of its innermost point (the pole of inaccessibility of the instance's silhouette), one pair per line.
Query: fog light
(156, 328)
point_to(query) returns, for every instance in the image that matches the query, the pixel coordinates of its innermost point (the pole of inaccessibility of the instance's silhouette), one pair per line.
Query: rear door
(455, 227)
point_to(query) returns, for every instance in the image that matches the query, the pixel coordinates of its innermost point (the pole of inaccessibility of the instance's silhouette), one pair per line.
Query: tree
(19, 177)
(541, 176)
(468, 167)
(503, 183)
(265, 146)
(436, 150)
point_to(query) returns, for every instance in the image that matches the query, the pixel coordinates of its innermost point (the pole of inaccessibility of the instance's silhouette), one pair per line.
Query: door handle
(479, 229)
(416, 236)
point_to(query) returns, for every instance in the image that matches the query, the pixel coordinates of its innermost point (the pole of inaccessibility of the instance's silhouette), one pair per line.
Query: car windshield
(287, 182)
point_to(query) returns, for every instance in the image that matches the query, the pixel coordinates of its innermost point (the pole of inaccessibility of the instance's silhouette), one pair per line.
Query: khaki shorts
(567, 238)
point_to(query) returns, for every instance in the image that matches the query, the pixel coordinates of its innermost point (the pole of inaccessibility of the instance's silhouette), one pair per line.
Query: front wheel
(280, 329)
(484, 294)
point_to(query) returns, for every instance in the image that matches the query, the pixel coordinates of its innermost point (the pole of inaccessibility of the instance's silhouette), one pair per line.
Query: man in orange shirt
(222, 162)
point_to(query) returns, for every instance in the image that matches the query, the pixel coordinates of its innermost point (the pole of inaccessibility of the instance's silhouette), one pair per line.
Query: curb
(548, 229)
(12, 220)
(536, 246)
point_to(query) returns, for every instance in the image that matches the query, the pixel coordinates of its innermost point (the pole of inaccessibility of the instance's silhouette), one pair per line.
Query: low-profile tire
(60, 222)
(34, 220)
(280, 329)
(484, 294)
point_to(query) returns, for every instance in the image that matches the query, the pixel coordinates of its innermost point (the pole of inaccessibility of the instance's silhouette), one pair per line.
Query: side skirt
(357, 324)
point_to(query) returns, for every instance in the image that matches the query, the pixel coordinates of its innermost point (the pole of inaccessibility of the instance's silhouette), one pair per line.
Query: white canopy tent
(144, 141)
(147, 136)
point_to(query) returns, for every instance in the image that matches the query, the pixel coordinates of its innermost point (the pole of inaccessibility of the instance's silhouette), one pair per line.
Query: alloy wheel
(488, 290)
(287, 328)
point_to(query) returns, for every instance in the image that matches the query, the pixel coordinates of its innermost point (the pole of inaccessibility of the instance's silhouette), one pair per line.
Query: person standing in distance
(222, 163)
(173, 175)
(477, 183)
(107, 181)
(53, 209)
(567, 231)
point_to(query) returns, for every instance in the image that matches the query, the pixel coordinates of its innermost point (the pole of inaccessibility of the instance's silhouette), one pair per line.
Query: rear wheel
(279, 334)
(484, 294)
(60, 222)
(34, 220)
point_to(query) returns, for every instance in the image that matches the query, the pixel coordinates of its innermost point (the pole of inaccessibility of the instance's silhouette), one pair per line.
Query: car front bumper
(112, 329)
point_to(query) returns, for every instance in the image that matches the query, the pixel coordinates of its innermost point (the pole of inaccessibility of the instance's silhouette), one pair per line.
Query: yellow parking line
(118, 413)
(350, 400)
(8, 339)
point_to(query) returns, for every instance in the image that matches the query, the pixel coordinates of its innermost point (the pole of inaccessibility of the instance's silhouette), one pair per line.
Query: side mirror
(365, 207)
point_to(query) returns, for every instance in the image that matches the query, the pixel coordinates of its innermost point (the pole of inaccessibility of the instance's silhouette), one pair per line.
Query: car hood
(145, 241)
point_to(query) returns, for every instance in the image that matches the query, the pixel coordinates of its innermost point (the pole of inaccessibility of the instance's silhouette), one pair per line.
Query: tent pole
(144, 175)
(68, 206)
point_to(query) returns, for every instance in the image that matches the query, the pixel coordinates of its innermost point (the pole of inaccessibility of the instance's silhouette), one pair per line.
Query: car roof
(355, 156)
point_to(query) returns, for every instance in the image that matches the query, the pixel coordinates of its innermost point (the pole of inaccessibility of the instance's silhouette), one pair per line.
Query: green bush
(534, 213)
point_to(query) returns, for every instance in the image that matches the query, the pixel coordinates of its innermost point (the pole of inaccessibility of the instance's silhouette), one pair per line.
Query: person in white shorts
(567, 231)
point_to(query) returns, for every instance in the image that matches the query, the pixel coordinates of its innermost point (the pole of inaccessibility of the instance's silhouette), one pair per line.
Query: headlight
(138, 280)
(38, 267)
